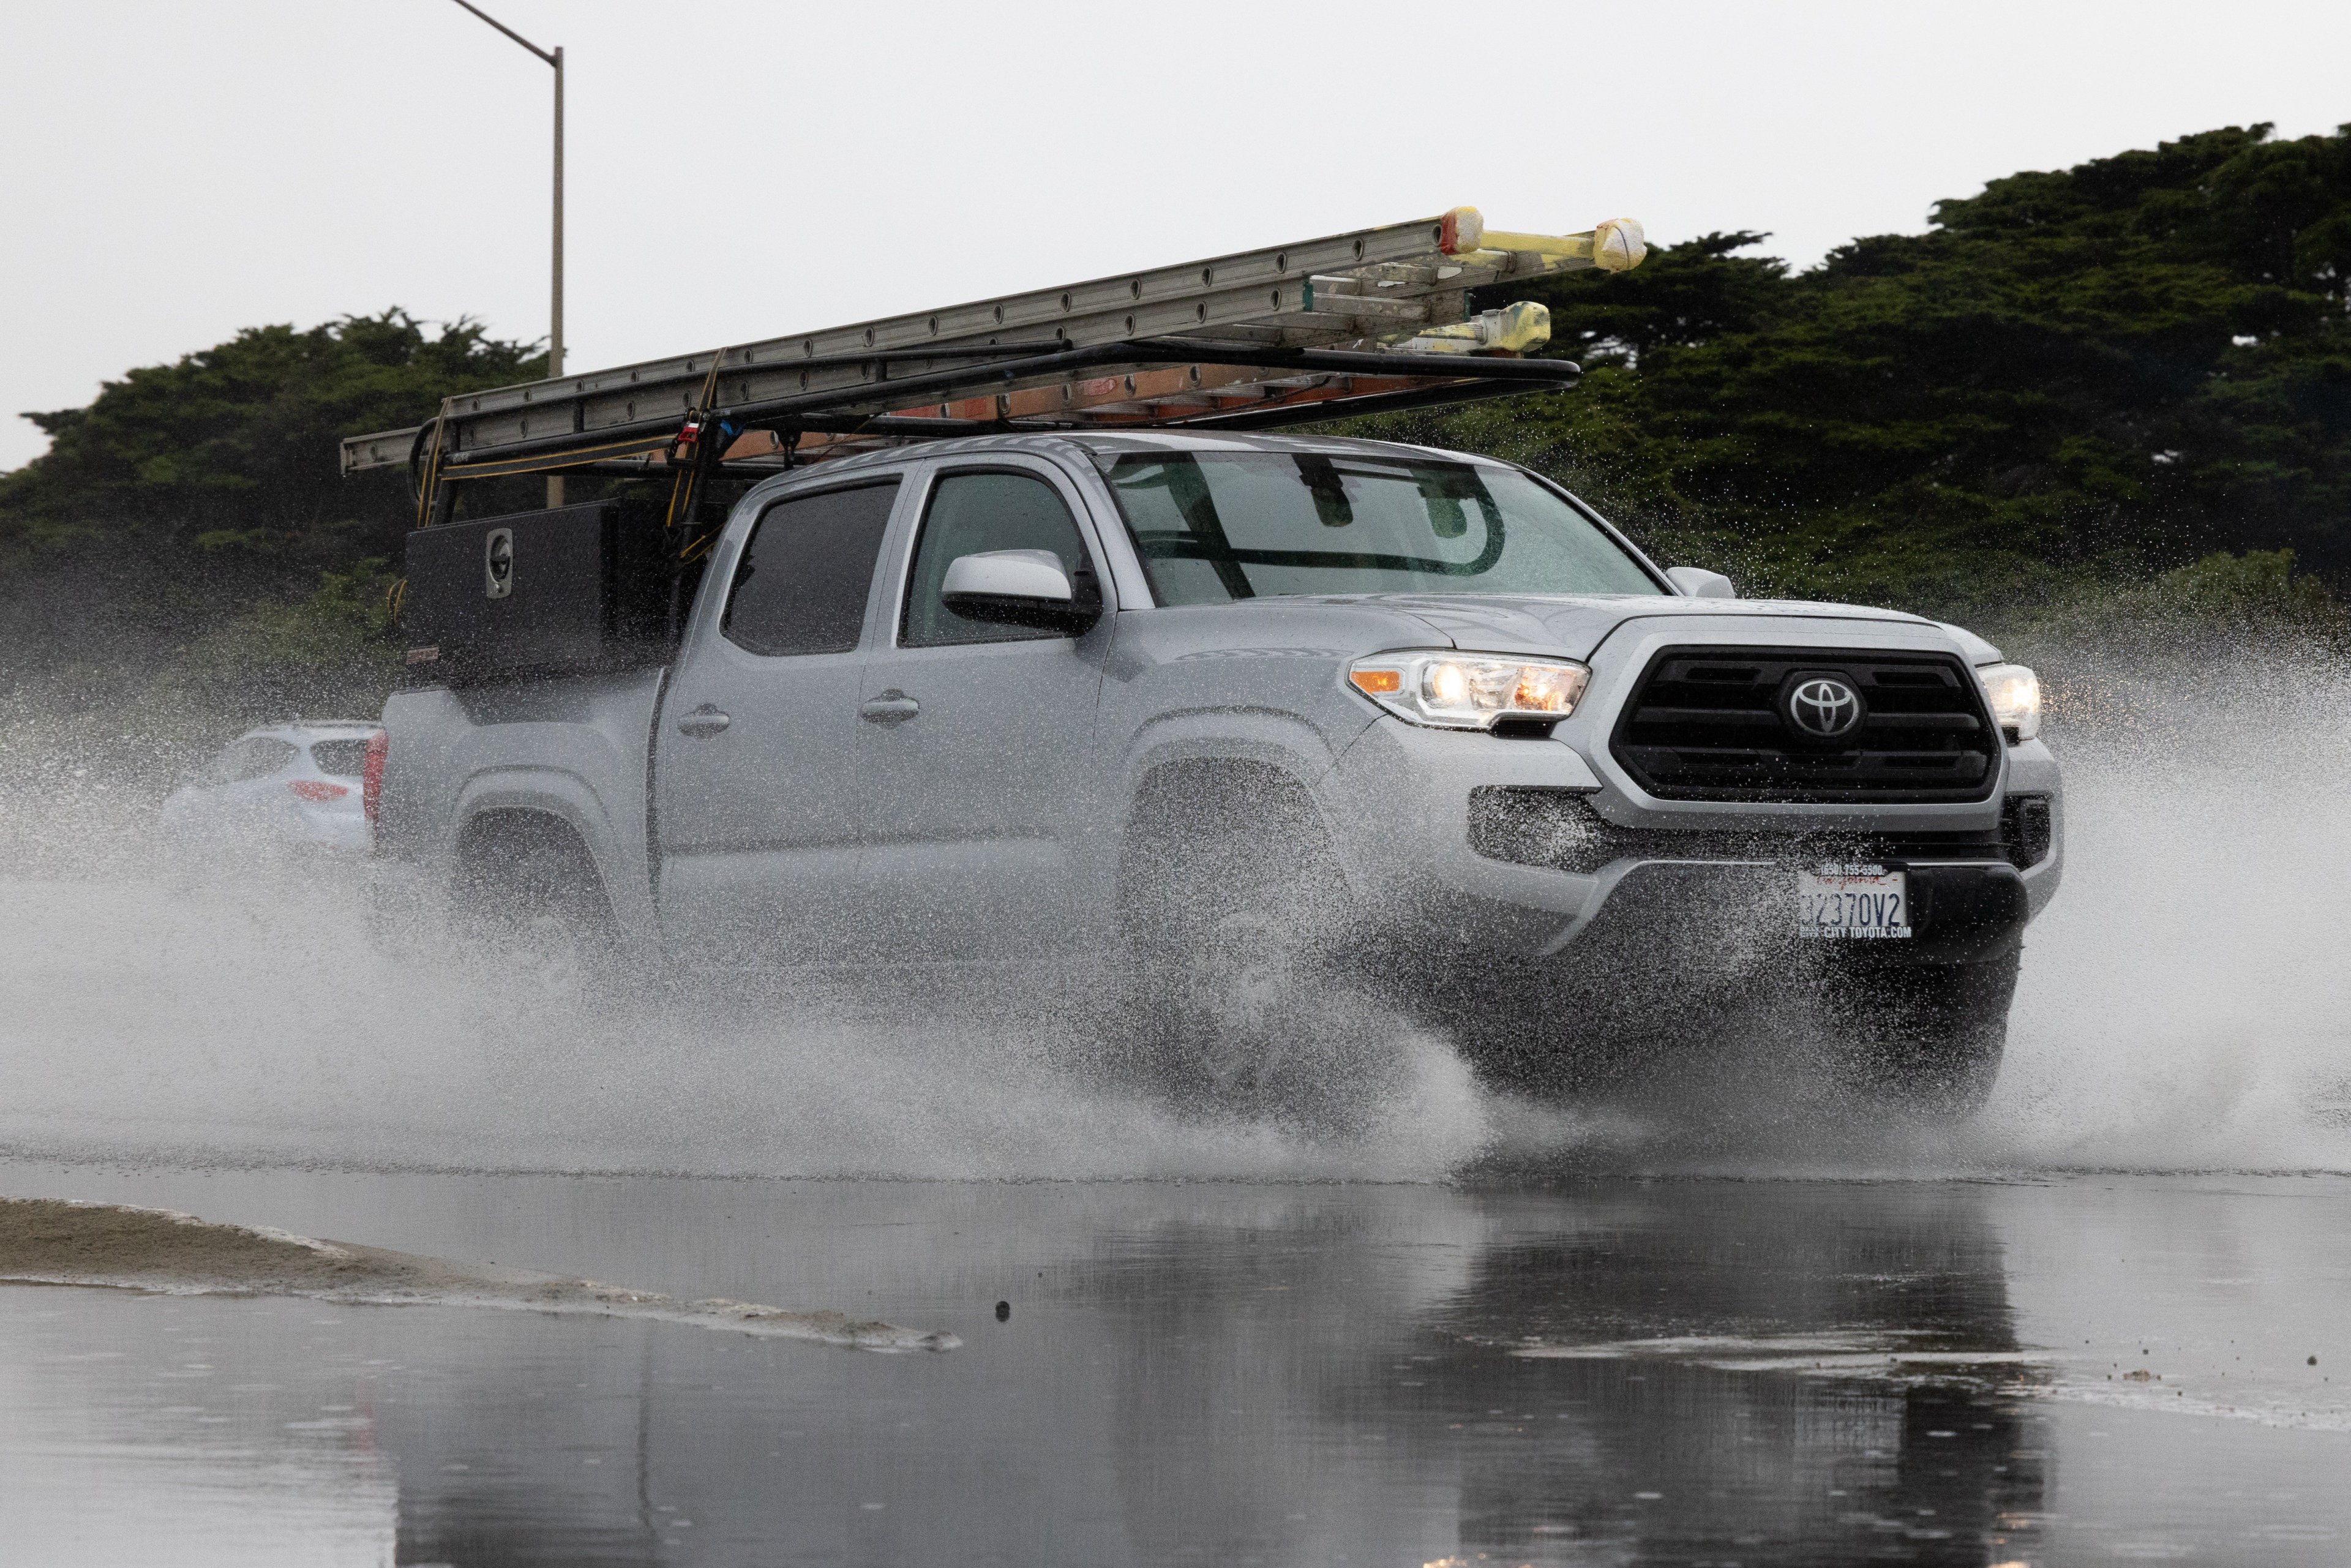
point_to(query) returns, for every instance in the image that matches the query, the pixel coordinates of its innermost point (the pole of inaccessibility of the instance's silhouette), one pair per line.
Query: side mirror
(1018, 588)
(1697, 582)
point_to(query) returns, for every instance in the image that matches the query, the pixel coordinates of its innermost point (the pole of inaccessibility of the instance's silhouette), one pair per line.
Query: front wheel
(1220, 1011)
(1234, 909)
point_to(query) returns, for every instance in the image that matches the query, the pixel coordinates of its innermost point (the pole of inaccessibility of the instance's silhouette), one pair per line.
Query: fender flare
(566, 796)
(1269, 738)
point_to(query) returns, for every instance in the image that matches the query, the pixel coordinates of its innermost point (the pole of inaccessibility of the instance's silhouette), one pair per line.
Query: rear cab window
(801, 582)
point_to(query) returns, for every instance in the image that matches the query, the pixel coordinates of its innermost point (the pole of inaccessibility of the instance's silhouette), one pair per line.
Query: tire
(527, 897)
(1218, 1011)
(1928, 1039)
(1233, 907)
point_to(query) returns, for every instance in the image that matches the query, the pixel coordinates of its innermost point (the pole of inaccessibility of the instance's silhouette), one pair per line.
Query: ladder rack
(1357, 323)
(1353, 323)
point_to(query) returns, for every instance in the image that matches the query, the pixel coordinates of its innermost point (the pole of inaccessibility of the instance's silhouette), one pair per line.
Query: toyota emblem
(1823, 707)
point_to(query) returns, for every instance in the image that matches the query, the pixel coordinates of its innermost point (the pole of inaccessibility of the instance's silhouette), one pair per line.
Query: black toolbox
(565, 591)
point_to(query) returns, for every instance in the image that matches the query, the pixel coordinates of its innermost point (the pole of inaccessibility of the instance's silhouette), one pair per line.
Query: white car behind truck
(300, 784)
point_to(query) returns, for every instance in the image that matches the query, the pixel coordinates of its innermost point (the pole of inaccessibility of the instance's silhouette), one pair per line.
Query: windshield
(1213, 527)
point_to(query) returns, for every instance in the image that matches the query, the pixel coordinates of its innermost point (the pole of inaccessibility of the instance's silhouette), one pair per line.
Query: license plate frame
(1853, 901)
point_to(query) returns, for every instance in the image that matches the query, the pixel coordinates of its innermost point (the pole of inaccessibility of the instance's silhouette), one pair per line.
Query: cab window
(971, 513)
(1214, 526)
(801, 584)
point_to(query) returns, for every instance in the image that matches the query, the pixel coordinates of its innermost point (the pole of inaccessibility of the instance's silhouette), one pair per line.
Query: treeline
(186, 540)
(2126, 383)
(2091, 377)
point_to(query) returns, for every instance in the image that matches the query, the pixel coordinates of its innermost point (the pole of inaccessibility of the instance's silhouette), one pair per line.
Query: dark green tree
(200, 501)
(2116, 368)
(231, 453)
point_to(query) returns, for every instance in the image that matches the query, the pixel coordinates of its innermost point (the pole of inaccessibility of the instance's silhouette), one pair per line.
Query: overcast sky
(175, 171)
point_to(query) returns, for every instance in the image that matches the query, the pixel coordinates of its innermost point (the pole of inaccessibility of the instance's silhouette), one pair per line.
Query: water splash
(2183, 1006)
(2186, 1003)
(270, 1021)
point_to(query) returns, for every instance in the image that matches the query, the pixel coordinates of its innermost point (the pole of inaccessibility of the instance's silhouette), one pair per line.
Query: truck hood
(1573, 626)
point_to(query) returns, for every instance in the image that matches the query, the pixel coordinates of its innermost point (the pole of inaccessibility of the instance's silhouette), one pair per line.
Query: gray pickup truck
(1196, 712)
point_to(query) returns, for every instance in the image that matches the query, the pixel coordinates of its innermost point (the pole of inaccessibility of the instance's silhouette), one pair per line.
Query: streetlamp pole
(555, 289)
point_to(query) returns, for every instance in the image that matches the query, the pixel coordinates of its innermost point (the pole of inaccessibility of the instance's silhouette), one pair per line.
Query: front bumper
(1519, 848)
(1720, 914)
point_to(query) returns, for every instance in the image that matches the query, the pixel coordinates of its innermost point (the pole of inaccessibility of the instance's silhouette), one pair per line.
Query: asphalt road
(2066, 1370)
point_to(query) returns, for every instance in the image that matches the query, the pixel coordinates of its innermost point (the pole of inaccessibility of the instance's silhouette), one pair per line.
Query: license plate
(1853, 903)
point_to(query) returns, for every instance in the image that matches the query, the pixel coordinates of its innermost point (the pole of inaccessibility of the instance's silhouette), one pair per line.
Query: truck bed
(579, 745)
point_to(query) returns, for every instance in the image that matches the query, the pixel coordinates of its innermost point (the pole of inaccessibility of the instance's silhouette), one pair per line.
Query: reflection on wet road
(1686, 1372)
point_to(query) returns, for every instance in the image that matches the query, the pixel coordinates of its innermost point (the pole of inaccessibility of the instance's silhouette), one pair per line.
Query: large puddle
(1666, 1372)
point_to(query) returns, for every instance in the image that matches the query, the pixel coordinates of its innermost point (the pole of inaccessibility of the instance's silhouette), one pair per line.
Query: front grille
(1557, 829)
(1711, 724)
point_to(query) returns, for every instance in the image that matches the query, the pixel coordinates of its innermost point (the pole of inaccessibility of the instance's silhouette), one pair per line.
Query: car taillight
(371, 774)
(320, 790)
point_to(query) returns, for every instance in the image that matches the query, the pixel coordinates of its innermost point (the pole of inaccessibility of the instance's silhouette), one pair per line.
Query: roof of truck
(1063, 443)
(1236, 441)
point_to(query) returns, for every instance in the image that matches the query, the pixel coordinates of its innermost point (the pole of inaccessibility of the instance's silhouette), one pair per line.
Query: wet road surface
(2064, 1370)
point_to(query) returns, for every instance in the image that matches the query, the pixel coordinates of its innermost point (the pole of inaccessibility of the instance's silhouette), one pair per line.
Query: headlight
(2015, 694)
(1469, 690)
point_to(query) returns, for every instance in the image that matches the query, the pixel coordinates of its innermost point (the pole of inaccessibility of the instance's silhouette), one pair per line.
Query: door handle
(702, 722)
(893, 706)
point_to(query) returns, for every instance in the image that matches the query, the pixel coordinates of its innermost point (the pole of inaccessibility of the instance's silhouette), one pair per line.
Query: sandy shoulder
(54, 1241)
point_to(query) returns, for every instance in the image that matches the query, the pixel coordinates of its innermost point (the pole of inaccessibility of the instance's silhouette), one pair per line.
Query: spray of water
(2182, 1007)
(270, 1018)
(2187, 1002)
